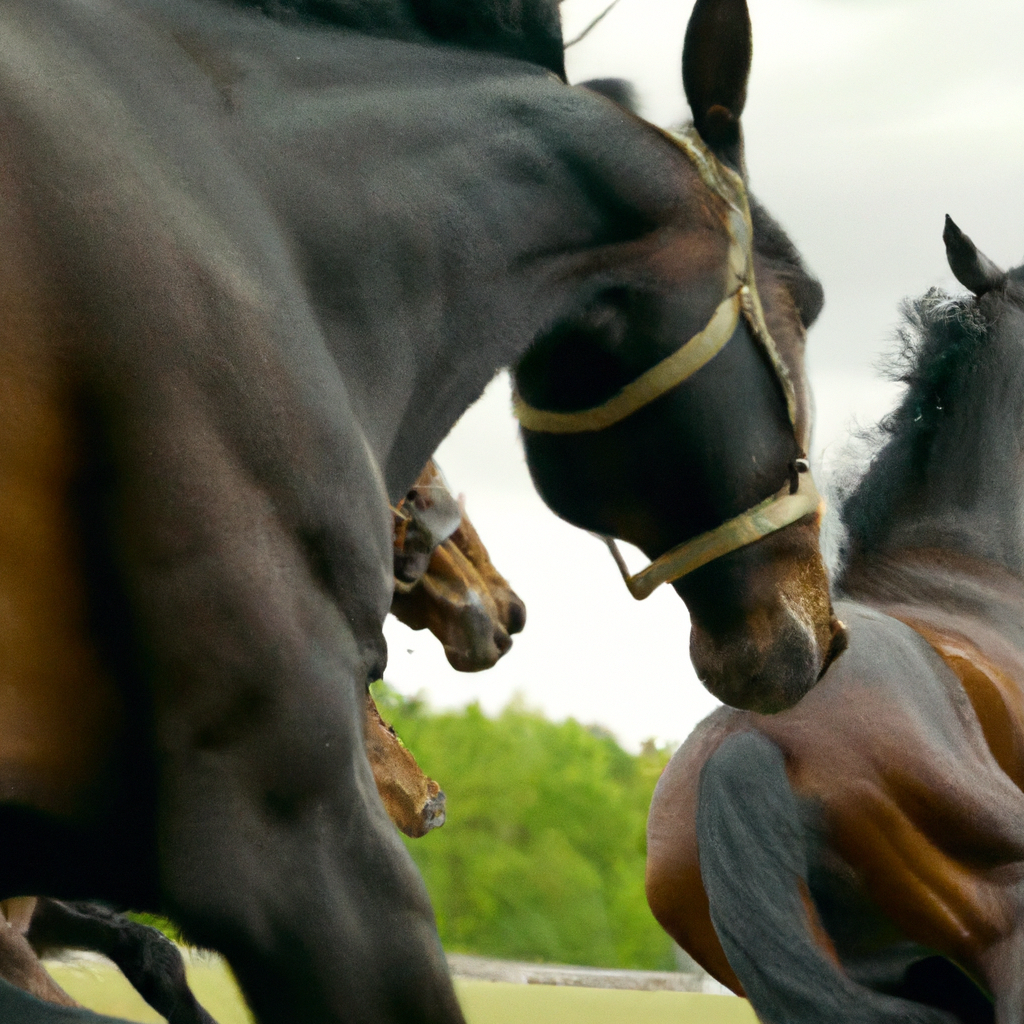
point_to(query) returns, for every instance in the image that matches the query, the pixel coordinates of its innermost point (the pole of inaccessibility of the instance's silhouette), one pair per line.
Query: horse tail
(753, 864)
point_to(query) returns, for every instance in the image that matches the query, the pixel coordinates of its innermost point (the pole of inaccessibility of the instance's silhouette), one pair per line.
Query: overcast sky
(866, 122)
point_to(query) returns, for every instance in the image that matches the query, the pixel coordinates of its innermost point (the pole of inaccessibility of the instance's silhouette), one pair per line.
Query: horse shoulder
(990, 668)
(888, 752)
(675, 891)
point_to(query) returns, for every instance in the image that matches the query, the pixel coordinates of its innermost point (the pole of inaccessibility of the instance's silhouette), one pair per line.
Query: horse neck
(958, 488)
(439, 208)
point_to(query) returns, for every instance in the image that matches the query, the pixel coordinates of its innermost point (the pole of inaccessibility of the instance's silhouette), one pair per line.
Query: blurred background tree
(542, 854)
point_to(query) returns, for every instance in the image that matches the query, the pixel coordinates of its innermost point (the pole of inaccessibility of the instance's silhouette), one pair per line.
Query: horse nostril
(516, 617)
(434, 812)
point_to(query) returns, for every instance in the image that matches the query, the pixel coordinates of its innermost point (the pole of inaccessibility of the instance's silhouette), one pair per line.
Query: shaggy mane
(938, 350)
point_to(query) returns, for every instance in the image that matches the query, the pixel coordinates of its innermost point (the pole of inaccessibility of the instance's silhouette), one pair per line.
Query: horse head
(445, 580)
(672, 410)
(947, 475)
(414, 802)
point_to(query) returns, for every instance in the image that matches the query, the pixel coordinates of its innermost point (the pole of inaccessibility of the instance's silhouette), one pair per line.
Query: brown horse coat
(860, 857)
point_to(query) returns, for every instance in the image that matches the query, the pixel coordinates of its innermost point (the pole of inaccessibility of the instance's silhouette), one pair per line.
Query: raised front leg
(753, 864)
(148, 959)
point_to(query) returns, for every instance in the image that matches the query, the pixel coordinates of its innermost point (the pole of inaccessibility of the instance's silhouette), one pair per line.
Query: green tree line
(542, 854)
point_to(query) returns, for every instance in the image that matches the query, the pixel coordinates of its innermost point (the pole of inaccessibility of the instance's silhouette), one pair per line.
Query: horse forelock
(529, 30)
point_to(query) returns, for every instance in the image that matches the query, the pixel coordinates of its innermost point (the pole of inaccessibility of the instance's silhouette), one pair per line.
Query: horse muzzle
(768, 666)
(433, 812)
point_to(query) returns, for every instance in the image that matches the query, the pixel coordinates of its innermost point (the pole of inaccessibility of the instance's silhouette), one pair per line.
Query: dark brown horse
(257, 259)
(860, 857)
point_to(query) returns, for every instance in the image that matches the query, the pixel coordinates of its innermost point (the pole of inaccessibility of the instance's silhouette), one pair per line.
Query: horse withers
(861, 857)
(257, 260)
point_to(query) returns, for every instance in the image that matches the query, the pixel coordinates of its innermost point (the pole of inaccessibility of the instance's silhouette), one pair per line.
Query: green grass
(489, 1002)
(484, 1002)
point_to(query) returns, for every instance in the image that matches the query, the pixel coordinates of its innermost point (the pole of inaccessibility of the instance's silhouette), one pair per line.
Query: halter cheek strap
(652, 384)
(772, 514)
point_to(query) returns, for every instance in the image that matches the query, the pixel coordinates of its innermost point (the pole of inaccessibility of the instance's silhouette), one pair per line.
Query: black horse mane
(938, 348)
(526, 29)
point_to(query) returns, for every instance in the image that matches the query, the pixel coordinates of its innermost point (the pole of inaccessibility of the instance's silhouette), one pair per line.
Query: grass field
(484, 1002)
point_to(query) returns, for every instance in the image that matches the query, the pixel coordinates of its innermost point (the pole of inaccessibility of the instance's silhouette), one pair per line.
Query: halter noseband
(792, 502)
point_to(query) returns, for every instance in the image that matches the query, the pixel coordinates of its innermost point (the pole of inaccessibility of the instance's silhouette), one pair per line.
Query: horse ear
(716, 66)
(972, 268)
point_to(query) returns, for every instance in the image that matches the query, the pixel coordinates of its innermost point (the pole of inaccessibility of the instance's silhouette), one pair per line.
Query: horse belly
(59, 711)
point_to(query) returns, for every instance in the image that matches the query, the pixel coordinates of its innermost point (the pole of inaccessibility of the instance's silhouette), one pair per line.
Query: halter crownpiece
(781, 509)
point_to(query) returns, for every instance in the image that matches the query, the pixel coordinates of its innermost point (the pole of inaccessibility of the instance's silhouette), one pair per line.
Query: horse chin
(765, 677)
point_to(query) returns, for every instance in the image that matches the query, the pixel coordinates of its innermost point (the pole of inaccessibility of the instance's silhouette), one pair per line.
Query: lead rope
(784, 507)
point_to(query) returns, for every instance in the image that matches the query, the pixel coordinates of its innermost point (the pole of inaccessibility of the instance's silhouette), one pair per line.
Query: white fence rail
(483, 969)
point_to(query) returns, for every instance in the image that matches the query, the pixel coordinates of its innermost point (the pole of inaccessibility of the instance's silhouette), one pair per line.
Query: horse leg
(275, 848)
(20, 966)
(147, 958)
(754, 868)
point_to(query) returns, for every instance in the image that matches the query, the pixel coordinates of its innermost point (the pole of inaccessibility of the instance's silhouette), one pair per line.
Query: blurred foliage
(542, 854)
(161, 924)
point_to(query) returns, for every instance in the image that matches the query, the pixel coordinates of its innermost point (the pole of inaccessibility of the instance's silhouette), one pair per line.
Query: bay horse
(860, 857)
(258, 257)
(445, 580)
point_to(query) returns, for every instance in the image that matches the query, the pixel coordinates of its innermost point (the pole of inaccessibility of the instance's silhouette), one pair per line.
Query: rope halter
(792, 502)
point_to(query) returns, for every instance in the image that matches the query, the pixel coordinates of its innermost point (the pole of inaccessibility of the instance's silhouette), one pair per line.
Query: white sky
(867, 121)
